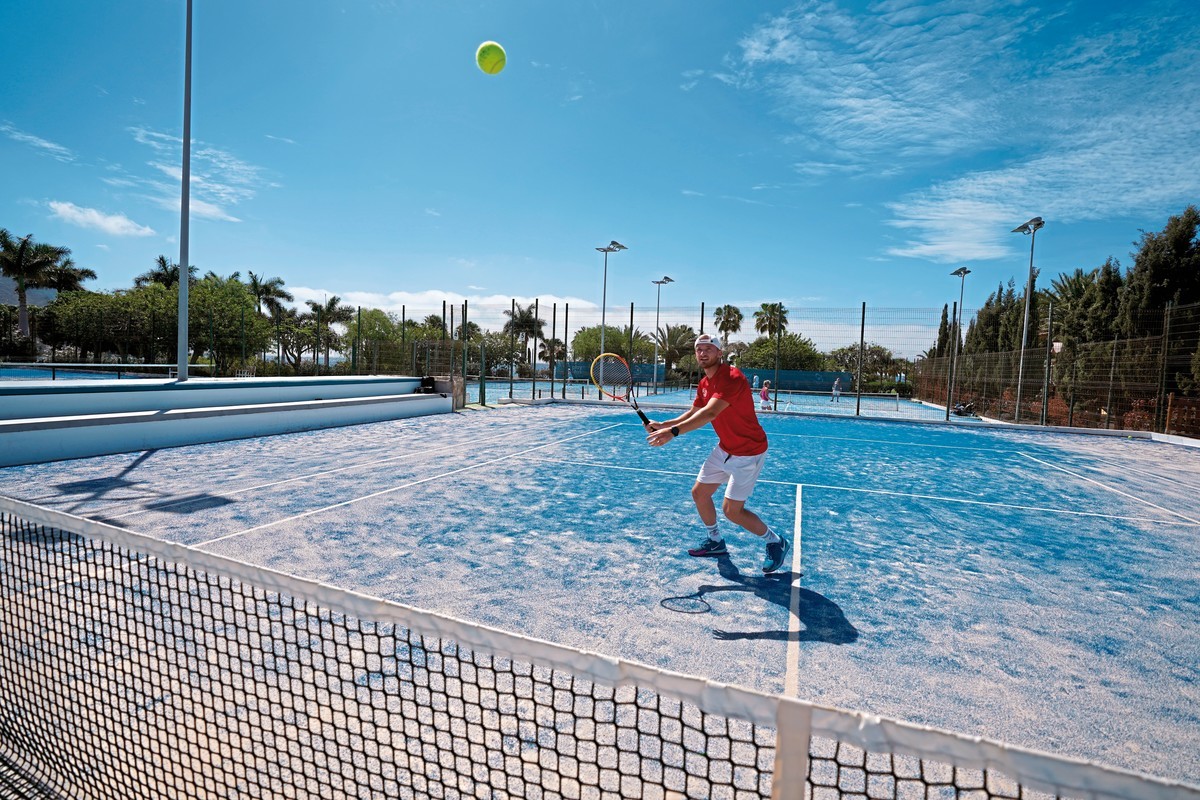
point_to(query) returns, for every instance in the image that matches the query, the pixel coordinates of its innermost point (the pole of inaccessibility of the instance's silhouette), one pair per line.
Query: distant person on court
(724, 398)
(755, 384)
(836, 396)
(765, 396)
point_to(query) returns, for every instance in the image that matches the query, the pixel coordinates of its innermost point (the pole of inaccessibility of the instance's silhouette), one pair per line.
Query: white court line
(305, 477)
(791, 682)
(1147, 473)
(1111, 489)
(896, 443)
(888, 492)
(402, 486)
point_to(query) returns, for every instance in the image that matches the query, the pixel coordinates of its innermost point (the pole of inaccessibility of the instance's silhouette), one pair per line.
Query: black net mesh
(126, 675)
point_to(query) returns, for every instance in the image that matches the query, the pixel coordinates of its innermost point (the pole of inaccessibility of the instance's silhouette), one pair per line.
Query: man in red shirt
(724, 398)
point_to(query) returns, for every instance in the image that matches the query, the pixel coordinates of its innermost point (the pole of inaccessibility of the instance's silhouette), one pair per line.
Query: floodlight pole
(961, 273)
(181, 339)
(611, 247)
(1030, 229)
(657, 306)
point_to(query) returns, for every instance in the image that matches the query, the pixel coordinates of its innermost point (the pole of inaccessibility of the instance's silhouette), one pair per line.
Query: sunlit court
(1028, 587)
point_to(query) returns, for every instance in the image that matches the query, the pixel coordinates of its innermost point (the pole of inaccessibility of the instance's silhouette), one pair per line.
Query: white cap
(705, 338)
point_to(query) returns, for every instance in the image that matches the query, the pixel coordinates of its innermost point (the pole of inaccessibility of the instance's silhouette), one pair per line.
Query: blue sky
(817, 153)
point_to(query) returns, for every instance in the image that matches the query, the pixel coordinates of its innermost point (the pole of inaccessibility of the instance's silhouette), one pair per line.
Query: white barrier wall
(29, 399)
(34, 441)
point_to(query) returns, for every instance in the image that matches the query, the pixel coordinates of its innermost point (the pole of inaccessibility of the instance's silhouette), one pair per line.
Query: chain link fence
(1148, 382)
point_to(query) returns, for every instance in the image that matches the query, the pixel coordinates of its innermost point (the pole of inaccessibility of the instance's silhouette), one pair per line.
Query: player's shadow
(821, 618)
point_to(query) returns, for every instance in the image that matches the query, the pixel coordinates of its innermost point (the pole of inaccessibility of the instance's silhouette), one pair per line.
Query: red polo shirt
(737, 426)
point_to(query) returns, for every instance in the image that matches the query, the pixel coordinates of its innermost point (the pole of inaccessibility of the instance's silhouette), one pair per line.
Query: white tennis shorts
(741, 472)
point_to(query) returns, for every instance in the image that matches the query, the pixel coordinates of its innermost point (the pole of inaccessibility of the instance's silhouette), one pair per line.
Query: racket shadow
(821, 618)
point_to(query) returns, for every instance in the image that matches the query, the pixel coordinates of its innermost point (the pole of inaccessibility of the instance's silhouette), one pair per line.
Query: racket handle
(645, 419)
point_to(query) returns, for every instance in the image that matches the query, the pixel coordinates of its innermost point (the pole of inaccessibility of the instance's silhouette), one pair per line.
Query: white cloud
(1098, 123)
(219, 180)
(113, 224)
(283, 139)
(56, 151)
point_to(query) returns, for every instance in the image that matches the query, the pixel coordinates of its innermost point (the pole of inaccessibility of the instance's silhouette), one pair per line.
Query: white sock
(772, 536)
(713, 533)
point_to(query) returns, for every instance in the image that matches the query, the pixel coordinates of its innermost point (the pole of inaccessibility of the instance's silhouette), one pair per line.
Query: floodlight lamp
(614, 245)
(1029, 227)
(961, 272)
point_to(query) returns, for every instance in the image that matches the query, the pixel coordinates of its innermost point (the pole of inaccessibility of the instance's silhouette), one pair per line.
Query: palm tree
(524, 323)
(163, 272)
(468, 332)
(27, 262)
(552, 351)
(728, 319)
(268, 292)
(332, 312)
(770, 319)
(66, 277)
(675, 342)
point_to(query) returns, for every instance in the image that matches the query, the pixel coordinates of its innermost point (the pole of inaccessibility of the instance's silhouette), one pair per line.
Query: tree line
(1100, 305)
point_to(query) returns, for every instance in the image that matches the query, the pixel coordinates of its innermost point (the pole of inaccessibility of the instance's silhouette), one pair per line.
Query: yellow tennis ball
(491, 58)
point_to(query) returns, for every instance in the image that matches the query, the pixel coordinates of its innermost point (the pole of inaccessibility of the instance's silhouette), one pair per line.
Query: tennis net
(133, 667)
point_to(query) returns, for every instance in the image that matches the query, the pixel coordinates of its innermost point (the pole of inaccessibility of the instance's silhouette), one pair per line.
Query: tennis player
(725, 399)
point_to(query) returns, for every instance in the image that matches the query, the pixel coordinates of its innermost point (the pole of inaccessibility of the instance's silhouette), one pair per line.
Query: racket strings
(612, 375)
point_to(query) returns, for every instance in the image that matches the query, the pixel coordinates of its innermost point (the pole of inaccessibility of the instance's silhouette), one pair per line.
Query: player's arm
(691, 420)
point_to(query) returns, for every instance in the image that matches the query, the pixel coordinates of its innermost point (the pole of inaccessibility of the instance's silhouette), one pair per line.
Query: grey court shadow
(822, 618)
(94, 489)
(189, 504)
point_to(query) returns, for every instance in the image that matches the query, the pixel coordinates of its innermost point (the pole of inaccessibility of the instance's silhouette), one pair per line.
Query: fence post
(357, 344)
(1046, 375)
(566, 346)
(534, 354)
(512, 346)
(1162, 374)
(550, 354)
(482, 374)
(1167, 421)
(702, 320)
(463, 331)
(778, 338)
(1112, 370)
(1071, 410)
(862, 353)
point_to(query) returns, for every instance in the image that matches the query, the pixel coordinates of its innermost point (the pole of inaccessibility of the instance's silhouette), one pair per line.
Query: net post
(793, 732)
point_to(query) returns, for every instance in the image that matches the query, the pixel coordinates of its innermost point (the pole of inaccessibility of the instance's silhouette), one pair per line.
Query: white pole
(184, 204)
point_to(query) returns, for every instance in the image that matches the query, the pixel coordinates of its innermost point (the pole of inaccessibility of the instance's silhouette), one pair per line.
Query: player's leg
(712, 475)
(744, 472)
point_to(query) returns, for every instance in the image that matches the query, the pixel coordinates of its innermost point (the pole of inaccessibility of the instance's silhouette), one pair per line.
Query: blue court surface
(1038, 588)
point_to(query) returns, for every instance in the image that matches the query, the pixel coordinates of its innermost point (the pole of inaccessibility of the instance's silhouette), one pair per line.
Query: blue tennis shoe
(776, 553)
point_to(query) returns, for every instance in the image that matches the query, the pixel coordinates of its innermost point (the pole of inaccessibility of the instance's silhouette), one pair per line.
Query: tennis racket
(612, 377)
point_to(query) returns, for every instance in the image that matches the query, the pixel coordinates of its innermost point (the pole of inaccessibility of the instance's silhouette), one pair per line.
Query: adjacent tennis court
(1031, 587)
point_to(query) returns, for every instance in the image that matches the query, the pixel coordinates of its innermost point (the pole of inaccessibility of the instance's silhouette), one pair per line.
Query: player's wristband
(674, 430)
